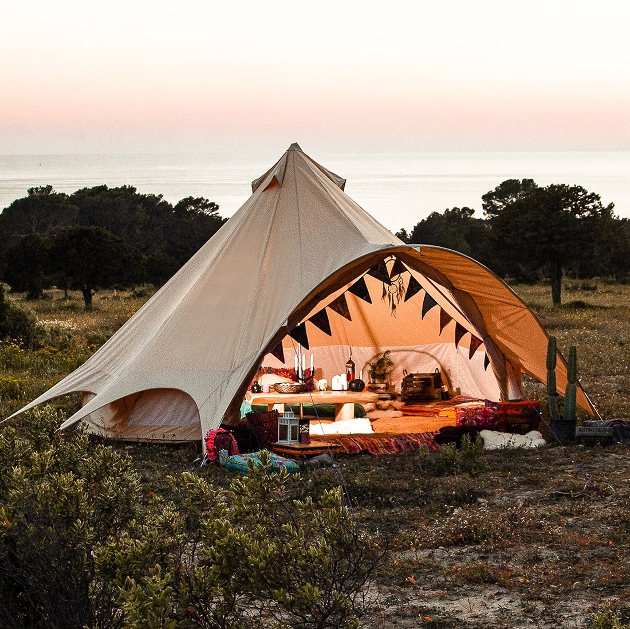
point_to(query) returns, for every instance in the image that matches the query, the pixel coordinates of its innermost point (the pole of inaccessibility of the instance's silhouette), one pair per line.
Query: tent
(301, 260)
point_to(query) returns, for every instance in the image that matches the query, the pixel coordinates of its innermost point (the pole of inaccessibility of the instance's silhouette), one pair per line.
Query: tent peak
(295, 147)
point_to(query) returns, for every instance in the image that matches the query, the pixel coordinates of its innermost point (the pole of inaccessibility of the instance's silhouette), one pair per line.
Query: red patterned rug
(381, 443)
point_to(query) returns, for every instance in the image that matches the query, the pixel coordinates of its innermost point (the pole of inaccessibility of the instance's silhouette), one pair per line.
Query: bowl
(289, 387)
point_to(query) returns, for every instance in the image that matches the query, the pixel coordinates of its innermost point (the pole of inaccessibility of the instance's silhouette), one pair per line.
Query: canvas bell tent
(301, 261)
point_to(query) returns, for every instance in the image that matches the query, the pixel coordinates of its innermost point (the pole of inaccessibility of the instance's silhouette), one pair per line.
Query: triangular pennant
(445, 319)
(413, 288)
(278, 353)
(360, 289)
(320, 319)
(427, 304)
(397, 268)
(340, 306)
(474, 345)
(298, 334)
(486, 362)
(380, 272)
(460, 330)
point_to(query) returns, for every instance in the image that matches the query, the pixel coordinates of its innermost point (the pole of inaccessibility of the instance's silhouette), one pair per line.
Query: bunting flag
(413, 288)
(320, 320)
(445, 319)
(486, 362)
(474, 346)
(397, 269)
(298, 334)
(340, 306)
(360, 289)
(460, 330)
(427, 304)
(380, 272)
(278, 353)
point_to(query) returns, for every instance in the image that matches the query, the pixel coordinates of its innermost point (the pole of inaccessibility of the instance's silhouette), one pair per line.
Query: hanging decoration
(340, 306)
(427, 304)
(413, 288)
(298, 334)
(278, 352)
(474, 346)
(360, 289)
(282, 371)
(320, 320)
(486, 362)
(380, 272)
(398, 268)
(460, 330)
(445, 319)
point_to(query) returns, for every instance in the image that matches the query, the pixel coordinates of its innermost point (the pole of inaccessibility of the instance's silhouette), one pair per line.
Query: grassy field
(506, 539)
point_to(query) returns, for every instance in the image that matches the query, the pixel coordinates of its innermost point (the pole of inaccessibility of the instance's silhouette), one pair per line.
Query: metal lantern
(288, 428)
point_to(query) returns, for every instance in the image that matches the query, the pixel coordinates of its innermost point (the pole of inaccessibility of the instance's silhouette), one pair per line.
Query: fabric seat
(263, 428)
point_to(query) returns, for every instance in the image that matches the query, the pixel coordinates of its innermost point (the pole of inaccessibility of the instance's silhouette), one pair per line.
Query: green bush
(57, 334)
(608, 619)
(449, 459)
(16, 324)
(82, 546)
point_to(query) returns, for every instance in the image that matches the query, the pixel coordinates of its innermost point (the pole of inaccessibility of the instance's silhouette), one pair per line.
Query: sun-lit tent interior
(301, 261)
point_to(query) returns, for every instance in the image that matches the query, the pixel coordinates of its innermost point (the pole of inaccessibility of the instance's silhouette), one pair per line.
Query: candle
(303, 364)
(361, 374)
(312, 372)
(295, 363)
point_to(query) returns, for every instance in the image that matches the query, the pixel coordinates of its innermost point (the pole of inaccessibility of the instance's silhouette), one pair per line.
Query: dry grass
(511, 539)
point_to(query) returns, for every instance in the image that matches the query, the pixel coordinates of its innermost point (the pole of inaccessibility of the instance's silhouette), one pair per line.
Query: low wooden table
(344, 401)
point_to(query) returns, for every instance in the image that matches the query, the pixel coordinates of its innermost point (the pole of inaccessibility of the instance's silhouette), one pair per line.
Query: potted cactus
(562, 427)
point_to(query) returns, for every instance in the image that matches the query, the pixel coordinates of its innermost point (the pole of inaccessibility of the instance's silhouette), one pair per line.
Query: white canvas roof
(186, 357)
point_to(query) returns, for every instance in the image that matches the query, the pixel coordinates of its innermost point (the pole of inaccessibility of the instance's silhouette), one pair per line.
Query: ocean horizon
(398, 188)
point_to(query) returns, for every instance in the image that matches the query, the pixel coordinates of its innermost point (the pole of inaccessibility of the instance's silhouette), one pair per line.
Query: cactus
(551, 353)
(552, 400)
(552, 403)
(571, 390)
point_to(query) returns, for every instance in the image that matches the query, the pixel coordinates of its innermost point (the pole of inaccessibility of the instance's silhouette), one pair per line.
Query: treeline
(533, 233)
(104, 237)
(99, 237)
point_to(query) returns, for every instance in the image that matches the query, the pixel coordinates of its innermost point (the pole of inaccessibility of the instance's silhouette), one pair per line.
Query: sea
(398, 189)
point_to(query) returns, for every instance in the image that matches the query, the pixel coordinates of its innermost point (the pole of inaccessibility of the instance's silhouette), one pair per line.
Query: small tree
(543, 230)
(90, 258)
(26, 263)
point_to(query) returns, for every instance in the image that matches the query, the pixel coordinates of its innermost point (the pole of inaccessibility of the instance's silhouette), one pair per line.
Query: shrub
(80, 547)
(16, 324)
(449, 459)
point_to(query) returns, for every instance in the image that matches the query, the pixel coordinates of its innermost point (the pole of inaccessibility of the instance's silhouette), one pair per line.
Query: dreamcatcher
(393, 284)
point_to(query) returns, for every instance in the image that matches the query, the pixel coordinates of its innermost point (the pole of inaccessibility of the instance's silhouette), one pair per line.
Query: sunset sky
(140, 75)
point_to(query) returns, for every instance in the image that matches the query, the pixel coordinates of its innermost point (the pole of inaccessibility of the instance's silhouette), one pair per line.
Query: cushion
(358, 425)
(238, 462)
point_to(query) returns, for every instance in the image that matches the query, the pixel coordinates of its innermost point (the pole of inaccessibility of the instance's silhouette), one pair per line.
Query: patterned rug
(381, 443)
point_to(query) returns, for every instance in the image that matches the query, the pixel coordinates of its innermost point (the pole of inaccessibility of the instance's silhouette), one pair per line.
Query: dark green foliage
(449, 459)
(552, 350)
(43, 212)
(571, 389)
(159, 237)
(455, 229)
(545, 231)
(59, 500)
(26, 263)
(552, 394)
(90, 258)
(81, 547)
(16, 324)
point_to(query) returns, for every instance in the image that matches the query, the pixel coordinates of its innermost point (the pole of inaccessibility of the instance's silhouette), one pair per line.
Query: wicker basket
(289, 387)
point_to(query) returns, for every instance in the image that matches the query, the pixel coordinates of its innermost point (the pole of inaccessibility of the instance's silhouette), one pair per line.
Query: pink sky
(162, 76)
